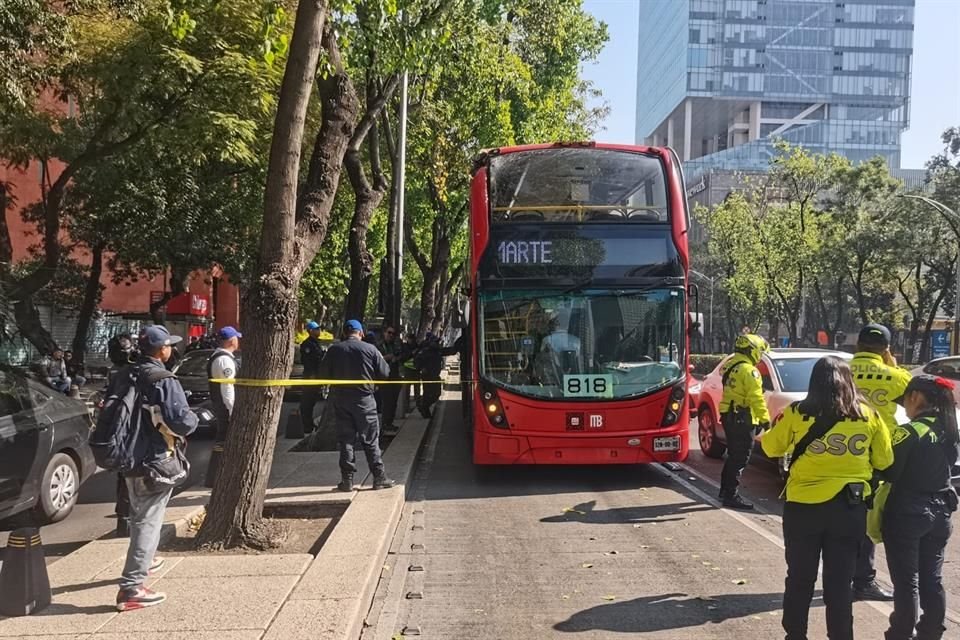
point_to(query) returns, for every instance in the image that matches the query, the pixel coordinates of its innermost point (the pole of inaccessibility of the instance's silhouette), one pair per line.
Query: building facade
(720, 80)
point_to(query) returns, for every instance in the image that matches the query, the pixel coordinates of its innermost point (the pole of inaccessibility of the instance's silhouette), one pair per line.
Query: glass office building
(719, 80)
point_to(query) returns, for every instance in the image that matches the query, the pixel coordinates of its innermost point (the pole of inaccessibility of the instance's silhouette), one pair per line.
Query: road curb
(334, 596)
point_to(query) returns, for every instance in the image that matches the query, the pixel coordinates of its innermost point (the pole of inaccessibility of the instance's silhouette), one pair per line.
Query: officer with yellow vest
(834, 443)
(916, 518)
(743, 412)
(882, 383)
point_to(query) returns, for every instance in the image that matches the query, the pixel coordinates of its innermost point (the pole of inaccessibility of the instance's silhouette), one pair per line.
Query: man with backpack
(142, 432)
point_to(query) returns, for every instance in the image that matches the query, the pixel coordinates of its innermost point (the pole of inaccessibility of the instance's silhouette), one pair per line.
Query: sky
(935, 102)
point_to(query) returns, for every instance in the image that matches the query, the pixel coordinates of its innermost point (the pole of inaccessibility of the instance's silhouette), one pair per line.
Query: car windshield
(580, 185)
(194, 364)
(795, 373)
(595, 343)
(948, 368)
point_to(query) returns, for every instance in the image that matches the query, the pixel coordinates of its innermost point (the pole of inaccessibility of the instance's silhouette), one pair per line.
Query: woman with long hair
(916, 517)
(834, 442)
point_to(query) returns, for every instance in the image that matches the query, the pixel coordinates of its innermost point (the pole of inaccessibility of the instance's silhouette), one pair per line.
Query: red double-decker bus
(577, 313)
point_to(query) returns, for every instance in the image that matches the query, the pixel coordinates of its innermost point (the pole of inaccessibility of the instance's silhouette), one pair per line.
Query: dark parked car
(192, 373)
(44, 455)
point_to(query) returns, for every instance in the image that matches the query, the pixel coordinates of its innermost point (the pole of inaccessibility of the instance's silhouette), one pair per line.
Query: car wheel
(59, 488)
(707, 433)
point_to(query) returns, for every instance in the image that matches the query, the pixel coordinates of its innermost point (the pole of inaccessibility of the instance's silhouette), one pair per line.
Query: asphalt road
(545, 552)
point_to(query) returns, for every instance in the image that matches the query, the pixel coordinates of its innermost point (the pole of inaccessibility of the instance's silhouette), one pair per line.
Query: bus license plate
(670, 443)
(588, 385)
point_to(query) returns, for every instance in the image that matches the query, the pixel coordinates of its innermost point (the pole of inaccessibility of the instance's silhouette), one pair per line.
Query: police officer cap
(353, 325)
(312, 326)
(928, 384)
(875, 334)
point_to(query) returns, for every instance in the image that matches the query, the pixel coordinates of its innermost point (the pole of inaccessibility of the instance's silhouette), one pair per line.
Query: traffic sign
(940, 343)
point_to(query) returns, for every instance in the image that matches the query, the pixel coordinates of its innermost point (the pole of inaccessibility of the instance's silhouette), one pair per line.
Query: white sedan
(786, 376)
(948, 368)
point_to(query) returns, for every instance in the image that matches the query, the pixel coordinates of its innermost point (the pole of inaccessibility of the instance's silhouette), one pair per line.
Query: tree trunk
(235, 514)
(91, 295)
(27, 317)
(367, 199)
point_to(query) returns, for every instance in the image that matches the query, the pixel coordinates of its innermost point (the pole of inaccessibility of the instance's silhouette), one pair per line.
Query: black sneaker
(735, 501)
(383, 482)
(346, 483)
(139, 598)
(872, 591)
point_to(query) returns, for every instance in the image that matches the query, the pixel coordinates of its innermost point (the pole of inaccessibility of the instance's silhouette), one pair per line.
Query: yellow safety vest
(849, 452)
(744, 388)
(880, 384)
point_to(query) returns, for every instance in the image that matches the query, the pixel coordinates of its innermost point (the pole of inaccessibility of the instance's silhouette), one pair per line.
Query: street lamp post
(951, 215)
(711, 281)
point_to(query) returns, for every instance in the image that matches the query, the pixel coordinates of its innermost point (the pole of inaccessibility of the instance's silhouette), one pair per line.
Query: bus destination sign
(525, 252)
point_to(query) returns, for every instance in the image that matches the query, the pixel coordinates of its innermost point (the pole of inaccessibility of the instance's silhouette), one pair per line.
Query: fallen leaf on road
(715, 568)
(565, 597)
(609, 598)
(587, 565)
(644, 546)
(572, 510)
(694, 555)
(610, 553)
(668, 539)
(739, 581)
(706, 563)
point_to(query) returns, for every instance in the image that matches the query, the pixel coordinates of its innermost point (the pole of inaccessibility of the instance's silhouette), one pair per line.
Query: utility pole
(401, 181)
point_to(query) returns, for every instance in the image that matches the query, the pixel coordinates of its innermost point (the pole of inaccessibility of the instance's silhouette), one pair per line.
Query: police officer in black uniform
(354, 406)
(916, 517)
(311, 354)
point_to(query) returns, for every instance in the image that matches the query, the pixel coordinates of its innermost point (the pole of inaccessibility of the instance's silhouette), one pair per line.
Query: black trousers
(390, 395)
(739, 448)
(866, 572)
(833, 530)
(122, 506)
(308, 401)
(358, 424)
(431, 393)
(915, 546)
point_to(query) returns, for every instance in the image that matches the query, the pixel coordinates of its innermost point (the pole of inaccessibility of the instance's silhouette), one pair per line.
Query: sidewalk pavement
(241, 597)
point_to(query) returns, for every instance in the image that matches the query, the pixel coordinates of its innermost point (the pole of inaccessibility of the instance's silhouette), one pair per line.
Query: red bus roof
(486, 154)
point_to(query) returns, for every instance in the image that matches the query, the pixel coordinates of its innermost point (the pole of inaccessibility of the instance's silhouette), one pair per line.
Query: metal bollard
(294, 429)
(24, 584)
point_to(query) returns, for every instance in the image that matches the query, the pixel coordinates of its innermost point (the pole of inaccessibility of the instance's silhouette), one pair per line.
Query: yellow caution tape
(255, 382)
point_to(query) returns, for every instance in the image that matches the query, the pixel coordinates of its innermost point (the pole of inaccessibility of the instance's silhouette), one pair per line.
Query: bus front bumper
(660, 445)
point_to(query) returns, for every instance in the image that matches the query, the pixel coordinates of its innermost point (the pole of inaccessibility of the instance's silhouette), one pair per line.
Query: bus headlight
(674, 406)
(494, 409)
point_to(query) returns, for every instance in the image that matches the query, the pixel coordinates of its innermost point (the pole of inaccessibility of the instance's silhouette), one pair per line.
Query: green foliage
(835, 244)
(704, 363)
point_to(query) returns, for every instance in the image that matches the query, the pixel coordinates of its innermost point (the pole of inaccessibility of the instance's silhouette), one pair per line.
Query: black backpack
(114, 439)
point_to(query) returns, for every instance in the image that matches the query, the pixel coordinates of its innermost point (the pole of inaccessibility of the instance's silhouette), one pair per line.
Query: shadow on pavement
(587, 513)
(671, 611)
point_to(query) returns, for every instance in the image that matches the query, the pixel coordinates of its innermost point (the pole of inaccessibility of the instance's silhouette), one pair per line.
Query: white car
(786, 376)
(948, 368)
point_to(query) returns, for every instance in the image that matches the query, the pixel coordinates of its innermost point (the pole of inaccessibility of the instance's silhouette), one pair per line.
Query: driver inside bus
(560, 350)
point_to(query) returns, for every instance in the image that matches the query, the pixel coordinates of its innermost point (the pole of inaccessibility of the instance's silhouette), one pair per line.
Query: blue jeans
(59, 384)
(146, 520)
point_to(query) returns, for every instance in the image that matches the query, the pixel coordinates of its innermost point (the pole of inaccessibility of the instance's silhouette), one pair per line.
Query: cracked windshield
(600, 343)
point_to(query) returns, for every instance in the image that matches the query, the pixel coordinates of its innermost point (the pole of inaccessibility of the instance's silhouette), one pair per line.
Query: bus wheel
(707, 433)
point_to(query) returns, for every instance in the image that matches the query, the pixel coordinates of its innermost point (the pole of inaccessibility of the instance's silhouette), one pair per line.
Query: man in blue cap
(160, 465)
(222, 365)
(354, 405)
(311, 354)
